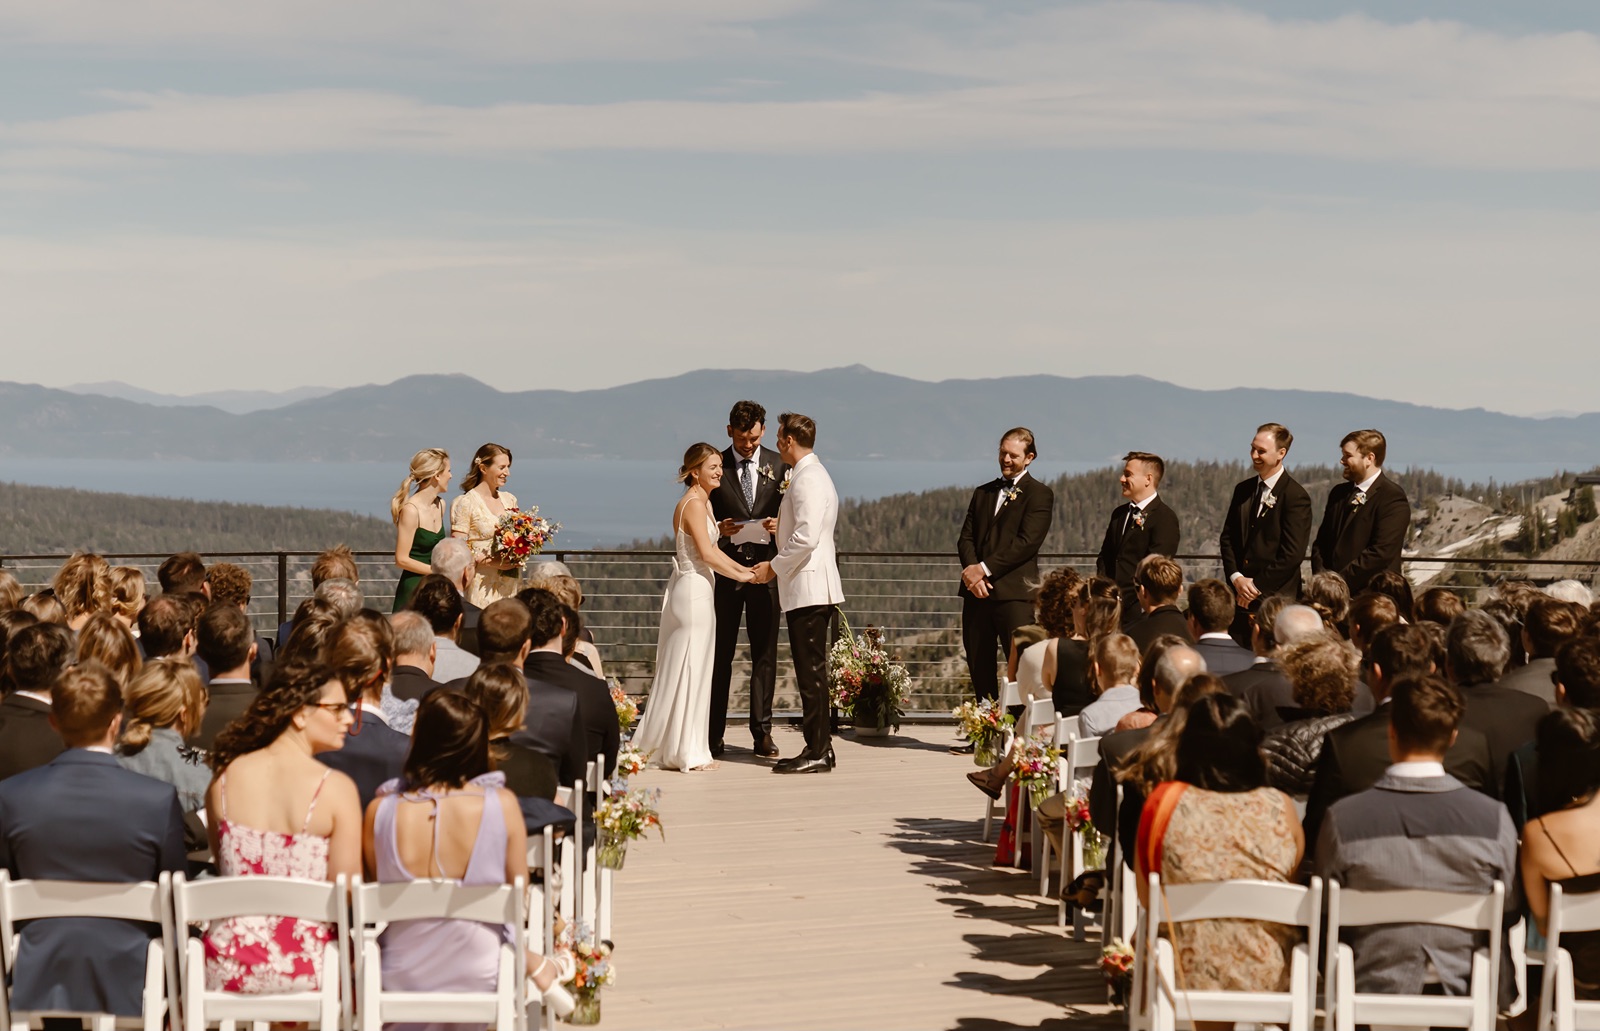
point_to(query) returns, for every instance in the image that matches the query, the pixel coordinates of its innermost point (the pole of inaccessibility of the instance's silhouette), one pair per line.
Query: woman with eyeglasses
(360, 652)
(275, 811)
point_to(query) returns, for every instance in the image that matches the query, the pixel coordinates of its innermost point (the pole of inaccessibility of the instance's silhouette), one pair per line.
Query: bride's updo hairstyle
(425, 465)
(693, 459)
(293, 687)
(485, 457)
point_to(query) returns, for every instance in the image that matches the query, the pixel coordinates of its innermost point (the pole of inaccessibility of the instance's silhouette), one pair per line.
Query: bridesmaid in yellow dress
(474, 516)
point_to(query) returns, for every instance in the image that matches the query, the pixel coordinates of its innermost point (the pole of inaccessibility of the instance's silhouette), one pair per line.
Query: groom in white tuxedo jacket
(808, 583)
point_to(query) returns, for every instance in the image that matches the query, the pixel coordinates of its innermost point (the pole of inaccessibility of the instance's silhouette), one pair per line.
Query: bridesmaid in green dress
(419, 520)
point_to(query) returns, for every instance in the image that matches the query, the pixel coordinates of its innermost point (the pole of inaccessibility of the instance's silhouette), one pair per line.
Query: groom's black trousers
(809, 636)
(987, 624)
(758, 603)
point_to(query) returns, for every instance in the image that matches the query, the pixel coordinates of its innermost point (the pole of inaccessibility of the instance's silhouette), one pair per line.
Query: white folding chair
(501, 904)
(1168, 1001)
(1345, 1007)
(1010, 695)
(145, 901)
(1082, 756)
(598, 879)
(328, 1007)
(542, 857)
(570, 853)
(1041, 714)
(1559, 1008)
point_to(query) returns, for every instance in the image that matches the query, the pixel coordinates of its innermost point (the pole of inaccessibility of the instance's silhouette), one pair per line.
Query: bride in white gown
(675, 729)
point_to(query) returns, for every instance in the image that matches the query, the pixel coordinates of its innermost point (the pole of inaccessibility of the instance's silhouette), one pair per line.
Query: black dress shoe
(967, 749)
(806, 765)
(783, 765)
(717, 748)
(828, 758)
(766, 748)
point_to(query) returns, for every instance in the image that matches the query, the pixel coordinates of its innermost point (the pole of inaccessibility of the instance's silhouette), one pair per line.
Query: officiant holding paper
(746, 509)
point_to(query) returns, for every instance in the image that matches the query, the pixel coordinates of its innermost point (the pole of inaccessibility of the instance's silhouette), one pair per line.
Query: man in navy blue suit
(82, 817)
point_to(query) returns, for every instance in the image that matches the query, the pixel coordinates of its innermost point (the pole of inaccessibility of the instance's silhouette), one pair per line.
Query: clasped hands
(1245, 591)
(762, 573)
(975, 580)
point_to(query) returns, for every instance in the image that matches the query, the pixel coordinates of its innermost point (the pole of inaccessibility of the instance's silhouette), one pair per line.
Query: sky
(1397, 198)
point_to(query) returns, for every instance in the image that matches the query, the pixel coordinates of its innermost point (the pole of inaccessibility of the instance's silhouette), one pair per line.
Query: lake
(600, 503)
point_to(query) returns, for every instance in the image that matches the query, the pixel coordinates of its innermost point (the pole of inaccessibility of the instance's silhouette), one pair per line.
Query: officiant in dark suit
(1265, 530)
(1006, 524)
(750, 490)
(1364, 526)
(1143, 525)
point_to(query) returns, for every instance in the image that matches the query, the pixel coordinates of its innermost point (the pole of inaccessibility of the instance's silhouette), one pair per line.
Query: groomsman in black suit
(1007, 521)
(1265, 530)
(1142, 526)
(1365, 523)
(749, 492)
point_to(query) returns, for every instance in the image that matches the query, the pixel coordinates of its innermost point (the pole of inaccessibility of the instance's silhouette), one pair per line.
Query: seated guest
(546, 669)
(1264, 688)
(503, 695)
(10, 591)
(1047, 669)
(1439, 605)
(412, 679)
(1477, 654)
(1356, 755)
(450, 818)
(82, 817)
(1572, 591)
(166, 703)
(182, 572)
(230, 585)
(360, 653)
(314, 620)
(165, 629)
(1548, 625)
(105, 639)
(572, 637)
(1211, 611)
(1329, 596)
(1114, 666)
(1397, 589)
(1217, 820)
(1158, 581)
(1369, 613)
(83, 586)
(1557, 848)
(35, 658)
(275, 811)
(453, 559)
(439, 602)
(334, 564)
(565, 587)
(11, 621)
(1322, 672)
(1418, 827)
(45, 607)
(227, 644)
(127, 595)
(1577, 685)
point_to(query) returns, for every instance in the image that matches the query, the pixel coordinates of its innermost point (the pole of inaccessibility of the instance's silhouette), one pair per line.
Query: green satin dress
(422, 544)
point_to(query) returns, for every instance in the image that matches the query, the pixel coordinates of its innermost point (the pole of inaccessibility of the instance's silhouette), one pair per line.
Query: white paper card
(752, 533)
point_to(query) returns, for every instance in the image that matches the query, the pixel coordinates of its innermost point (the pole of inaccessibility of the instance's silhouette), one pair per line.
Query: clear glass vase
(586, 1012)
(611, 853)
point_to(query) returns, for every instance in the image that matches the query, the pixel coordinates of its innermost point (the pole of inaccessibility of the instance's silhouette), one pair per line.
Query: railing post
(283, 587)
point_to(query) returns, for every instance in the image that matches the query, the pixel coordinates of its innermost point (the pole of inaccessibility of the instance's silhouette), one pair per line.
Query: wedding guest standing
(419, 520)
(1143, 525)
(1265, 529)
(1007, 521)
(474, 517)
(1364, 526)
(749, 491)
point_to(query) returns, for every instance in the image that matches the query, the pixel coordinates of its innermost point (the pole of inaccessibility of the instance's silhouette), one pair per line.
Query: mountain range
(239, 402)
(861, 414)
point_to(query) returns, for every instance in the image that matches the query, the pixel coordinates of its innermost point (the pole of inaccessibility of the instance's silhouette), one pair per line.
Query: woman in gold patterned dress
(474, 516)
(1218, 821)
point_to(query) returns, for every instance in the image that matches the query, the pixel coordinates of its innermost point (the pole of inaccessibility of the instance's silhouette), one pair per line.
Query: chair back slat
(1574, 912)
(1010, 694)
(427, 900)
(1041, 713)
(1412, 906)
(1071, 729)
(1271, 901)
(38, 900)
(223, 897)
(1083, 753)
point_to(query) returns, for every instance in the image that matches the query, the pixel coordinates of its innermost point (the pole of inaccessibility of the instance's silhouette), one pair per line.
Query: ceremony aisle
(857, 898)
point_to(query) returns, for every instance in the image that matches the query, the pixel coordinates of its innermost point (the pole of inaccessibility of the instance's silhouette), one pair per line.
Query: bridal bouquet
(984, 724)
(622, 818)
(868, 685)
(627, 708)
(1037, 763)
(520, 535)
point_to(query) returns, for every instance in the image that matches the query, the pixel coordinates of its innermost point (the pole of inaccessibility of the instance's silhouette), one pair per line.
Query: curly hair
(83, 584)
(230, 584)
(1056, 595)
(1322, 673)
(10, 591)
(293, 687)
(1329, 594)
(127, 592)
(166, 693)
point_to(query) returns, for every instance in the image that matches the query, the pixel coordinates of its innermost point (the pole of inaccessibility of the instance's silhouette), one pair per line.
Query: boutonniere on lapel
(767, 473)
(1009, 493)
(783, 488)
(1138, 517)
(1268, 499)
(1358, 499)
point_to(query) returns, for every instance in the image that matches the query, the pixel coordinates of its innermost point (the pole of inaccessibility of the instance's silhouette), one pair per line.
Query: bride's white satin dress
(675, 729)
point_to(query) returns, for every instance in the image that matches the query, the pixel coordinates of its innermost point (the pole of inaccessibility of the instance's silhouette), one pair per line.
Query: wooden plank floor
(860, 898)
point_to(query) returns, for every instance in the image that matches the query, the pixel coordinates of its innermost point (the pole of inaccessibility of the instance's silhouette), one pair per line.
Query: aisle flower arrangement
(1116, 967)
(629, 762)
(869, 686)
(624, 817)
(984, 724)
(627, 708)
(1094, 843)
(520, 535)
(592, 971)
(1037, 764)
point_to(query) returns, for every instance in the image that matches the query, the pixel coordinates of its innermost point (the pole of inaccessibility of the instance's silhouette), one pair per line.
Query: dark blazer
(1114, 748)
(1120, 553)
(226, 704)
(1532, 678)
(529, 774)
(410, 683)
(1270, 547)
(1263, 689)
(552, 726)
(598, 713)
(1506, 717)
(82, 817)
(1164, 619)
(1355, 755)
(373, 752)
(1360, 541)
(27, 739)
(727, 501)
(1007, 541)
(1224, 656)
(469, 626)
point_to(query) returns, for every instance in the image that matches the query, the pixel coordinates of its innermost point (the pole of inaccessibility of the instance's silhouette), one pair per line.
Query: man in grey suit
(82, 817)
(1420, 828)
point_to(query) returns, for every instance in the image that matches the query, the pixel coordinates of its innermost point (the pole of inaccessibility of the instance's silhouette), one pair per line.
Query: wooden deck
(860, 898)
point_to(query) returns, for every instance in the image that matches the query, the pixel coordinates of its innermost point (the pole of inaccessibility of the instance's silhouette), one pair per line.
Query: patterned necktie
(748, 481)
